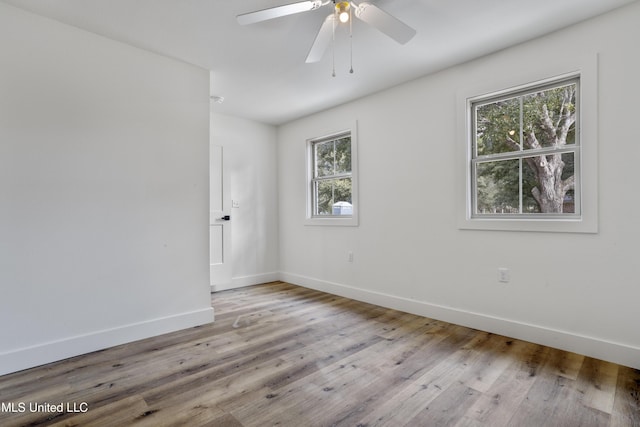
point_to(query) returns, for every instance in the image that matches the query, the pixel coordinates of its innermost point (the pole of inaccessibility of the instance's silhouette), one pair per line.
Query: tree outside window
(526, 152)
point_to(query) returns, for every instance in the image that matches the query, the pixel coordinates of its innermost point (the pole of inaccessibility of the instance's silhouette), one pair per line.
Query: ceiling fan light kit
(343, 11)
(341, 14)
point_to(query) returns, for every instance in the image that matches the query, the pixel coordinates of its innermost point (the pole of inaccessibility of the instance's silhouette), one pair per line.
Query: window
(332, 181)
(525, 158)
(527, 148)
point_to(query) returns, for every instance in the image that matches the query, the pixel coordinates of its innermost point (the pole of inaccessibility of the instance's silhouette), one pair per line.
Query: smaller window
(331, 186)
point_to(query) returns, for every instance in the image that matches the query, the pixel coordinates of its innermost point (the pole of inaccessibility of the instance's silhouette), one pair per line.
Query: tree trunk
(551, 188)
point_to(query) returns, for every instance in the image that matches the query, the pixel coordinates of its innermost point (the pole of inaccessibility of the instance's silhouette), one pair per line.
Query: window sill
(555, 225)
(333, 221)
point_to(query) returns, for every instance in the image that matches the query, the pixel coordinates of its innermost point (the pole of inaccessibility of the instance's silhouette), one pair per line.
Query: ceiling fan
(341, 14)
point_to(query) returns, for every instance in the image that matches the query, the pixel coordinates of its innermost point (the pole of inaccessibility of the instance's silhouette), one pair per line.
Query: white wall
(103, 192)
(250, 156)
(578, 292)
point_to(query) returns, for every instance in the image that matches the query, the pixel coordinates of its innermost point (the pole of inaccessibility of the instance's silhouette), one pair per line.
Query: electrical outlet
(350, 256)
(503, 275)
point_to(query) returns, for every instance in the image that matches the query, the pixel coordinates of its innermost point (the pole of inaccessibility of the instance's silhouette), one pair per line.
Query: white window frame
(332, 220)
(586, 221)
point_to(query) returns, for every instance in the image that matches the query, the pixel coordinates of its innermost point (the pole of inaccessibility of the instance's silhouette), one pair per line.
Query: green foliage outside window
(525, 151)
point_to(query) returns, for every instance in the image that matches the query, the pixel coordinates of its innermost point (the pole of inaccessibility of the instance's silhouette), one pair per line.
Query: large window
(332, 182)
(527, 143)
(525, 159)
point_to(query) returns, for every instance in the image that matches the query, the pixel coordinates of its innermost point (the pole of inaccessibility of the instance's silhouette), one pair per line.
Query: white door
(219, 221)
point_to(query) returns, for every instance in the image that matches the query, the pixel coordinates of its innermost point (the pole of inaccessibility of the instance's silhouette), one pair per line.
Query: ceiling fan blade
(323, 38)
(278, 11)
(390, 25)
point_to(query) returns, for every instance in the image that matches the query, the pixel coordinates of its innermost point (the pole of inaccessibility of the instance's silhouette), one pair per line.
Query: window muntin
(525, 153)
(332, 182)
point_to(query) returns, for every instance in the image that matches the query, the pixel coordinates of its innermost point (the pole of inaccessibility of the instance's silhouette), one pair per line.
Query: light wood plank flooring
(282, 355)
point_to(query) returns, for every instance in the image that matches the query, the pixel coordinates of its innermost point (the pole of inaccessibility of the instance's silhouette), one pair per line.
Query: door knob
(226, 218)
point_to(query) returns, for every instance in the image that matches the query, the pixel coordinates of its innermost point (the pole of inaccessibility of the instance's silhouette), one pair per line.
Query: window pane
(498, 187)
(550, 114)
(541, 192)
(498, 127)
(331, 191)
(569, 203)
(324, 159)
(343, 155)
(529, 182)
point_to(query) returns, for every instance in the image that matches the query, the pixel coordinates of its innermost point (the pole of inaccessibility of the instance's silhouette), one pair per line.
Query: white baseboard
(53, 351)
(240, 282)
(589, 346)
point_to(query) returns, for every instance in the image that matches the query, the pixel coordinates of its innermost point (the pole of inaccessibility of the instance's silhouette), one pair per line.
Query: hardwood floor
(283, 355)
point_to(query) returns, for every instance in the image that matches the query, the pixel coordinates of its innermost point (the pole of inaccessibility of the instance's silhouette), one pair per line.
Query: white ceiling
(260, 69)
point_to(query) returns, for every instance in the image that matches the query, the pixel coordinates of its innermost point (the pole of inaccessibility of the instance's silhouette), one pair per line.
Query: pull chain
(351, 41)
(333, 47)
